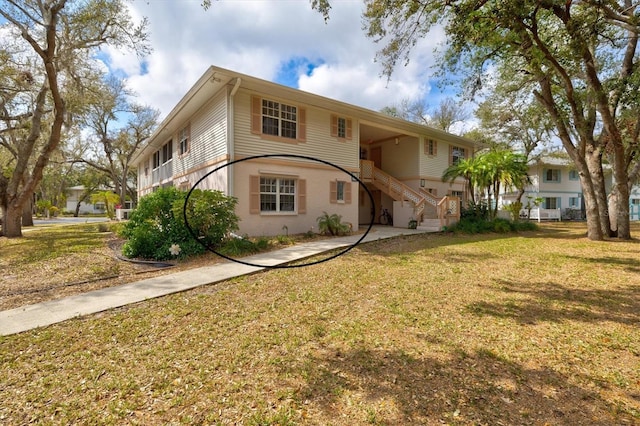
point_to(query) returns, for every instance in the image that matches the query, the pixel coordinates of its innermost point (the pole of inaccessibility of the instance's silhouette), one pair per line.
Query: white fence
(542, 214)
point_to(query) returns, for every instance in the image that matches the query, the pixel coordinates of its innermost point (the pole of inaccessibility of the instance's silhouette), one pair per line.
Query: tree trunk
(27, 213)
(594, 164)
(12, 221)
(621, 192)
(77, 211)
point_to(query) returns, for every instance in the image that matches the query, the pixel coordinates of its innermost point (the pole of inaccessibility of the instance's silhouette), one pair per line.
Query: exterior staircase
(430, 225)
(446, 207)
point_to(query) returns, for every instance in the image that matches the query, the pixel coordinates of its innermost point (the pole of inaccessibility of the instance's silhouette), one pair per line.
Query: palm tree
(504, 168)
(468, 169)
(487, 172)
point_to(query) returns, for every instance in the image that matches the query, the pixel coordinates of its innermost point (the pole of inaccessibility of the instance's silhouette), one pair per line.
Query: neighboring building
(227, 116)
(555, 180)
(74, 194)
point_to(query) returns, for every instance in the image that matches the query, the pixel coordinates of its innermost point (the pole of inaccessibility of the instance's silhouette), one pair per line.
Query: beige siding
(319, 142)
(401, 160)
(208, 136)
(434, 166)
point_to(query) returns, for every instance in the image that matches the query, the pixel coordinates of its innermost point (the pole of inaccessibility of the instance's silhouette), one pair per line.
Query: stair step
(430, 225)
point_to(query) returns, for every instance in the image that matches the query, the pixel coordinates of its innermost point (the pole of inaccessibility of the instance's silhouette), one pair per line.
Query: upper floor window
(457, 153)
(183, 140)
(156, 159)
(341, 127)
(167, 152)
(430, 147)
(277, 120)
(552, 175)
(573, 175)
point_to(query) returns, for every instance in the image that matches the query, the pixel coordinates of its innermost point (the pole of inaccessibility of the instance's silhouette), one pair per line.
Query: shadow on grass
(471, 388)
(630, 265)
(553, 302)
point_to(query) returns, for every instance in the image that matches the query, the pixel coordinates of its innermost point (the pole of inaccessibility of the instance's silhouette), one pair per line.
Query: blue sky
(284, 41)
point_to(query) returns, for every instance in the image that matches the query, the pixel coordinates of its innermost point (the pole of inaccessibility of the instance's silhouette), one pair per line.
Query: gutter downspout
(231, 136)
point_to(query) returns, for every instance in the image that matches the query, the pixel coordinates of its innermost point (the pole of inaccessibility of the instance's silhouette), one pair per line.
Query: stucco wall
(317, 178)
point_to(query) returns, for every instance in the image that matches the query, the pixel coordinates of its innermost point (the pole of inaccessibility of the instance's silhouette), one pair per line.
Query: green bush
(477, 225)
(477, 211)
(157, 225)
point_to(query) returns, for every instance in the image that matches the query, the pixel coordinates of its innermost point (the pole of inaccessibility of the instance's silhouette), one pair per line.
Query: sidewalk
(46, 313)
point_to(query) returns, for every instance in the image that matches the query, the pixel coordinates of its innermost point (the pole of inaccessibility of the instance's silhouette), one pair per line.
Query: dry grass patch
(537, 328)
(58, 261)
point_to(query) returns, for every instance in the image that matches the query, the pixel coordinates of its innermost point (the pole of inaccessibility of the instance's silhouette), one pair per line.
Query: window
(430, 147)
(551, 203)
(635, 201)
(156, 159)
(340, 192)
(274, 119)
(456, 155)
(167, 152)
(277, 194)
(278, 119)
(341, 127)
(574, 202)
(183, 141)
(573, 175)
(552, 175)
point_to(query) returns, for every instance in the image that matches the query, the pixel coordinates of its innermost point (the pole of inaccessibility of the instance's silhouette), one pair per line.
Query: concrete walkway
(46, 313)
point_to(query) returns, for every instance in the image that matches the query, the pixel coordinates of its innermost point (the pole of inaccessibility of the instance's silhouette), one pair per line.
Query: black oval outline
(286, 266)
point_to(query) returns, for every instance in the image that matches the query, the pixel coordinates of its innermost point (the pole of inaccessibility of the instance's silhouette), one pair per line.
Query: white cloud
(258, 38)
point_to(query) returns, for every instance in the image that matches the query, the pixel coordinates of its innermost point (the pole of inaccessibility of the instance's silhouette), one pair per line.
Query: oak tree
(48, 49)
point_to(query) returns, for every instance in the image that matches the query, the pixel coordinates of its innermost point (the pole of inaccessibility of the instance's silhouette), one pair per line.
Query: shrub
(158, 223)
(332, 224)
(476, 225)
(475, 211)
(514, 210)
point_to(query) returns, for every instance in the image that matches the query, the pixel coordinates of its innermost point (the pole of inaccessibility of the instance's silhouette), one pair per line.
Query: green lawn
(530, 329)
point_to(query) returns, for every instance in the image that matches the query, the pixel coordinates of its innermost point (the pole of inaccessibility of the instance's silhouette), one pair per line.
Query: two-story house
(555, 182)
(232, 118)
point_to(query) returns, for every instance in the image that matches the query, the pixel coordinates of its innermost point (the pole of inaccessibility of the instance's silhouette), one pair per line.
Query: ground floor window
(277, 194)
(551, 203)
(574, 202)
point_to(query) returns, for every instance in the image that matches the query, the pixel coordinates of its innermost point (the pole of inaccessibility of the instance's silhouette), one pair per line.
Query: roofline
(377, 118)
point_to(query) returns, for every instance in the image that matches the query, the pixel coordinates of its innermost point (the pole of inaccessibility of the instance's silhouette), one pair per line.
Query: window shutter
(302, 125)
(334, 126)
(302, 196)
(347, 192)
(256, 115)
(450, 155)
(333, 192)
(349, 132)
(254, 194)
